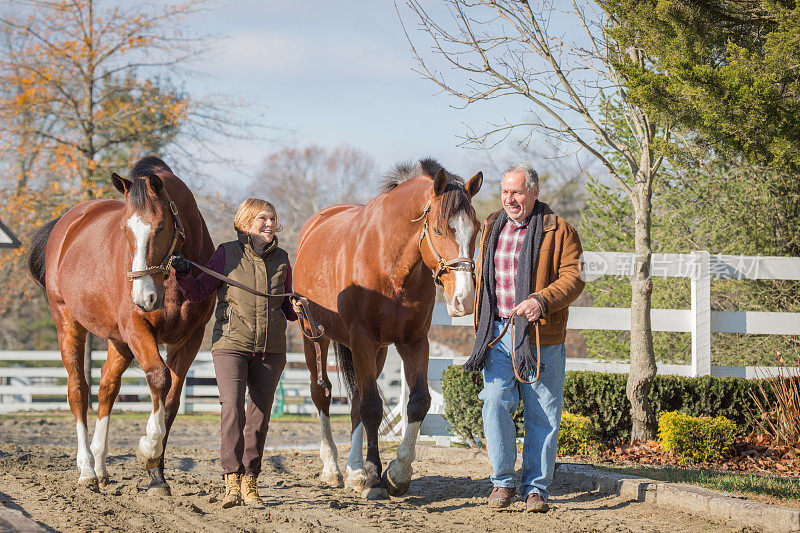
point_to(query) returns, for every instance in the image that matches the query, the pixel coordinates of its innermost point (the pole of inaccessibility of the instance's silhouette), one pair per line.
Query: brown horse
(81, 259)
(366, 271)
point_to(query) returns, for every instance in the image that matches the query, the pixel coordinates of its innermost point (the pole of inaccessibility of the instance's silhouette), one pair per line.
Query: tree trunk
(643, 363)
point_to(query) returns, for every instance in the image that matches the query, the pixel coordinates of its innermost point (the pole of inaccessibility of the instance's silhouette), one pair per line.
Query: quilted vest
(244, 321)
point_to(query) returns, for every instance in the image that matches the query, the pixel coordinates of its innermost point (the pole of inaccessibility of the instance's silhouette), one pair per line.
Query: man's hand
(530, 309)
(182, 268)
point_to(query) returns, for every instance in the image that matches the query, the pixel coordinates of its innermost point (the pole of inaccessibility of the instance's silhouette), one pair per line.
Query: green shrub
(695, 439)
(462, 407)
(601, 398)
(576, 435)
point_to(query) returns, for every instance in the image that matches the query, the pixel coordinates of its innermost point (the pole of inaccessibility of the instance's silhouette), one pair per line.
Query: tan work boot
(536, 503)
(250, 489)
(233, 494)
(501, 497)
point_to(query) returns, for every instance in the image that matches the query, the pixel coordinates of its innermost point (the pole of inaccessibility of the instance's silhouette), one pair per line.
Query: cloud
(269, 54)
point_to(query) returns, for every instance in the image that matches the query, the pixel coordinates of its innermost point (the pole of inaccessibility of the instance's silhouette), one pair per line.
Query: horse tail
(37, 249)
(344, 358)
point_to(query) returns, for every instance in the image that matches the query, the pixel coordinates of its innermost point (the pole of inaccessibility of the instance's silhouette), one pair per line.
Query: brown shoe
(501, 497)
(233, 493)
(536, 504)
(250, 489)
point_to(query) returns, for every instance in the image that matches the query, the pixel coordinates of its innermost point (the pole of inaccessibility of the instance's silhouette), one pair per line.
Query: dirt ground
(448, 490)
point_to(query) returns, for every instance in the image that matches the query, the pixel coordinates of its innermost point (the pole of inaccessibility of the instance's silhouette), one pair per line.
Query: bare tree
(301, 181)
(572, 90)
(84, 86)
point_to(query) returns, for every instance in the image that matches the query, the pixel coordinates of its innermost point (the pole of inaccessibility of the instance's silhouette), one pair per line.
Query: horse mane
(454, 199)
(148, 165)
(144, 167)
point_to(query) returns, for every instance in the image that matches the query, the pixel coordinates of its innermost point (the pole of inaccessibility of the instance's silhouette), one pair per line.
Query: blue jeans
(542, 402)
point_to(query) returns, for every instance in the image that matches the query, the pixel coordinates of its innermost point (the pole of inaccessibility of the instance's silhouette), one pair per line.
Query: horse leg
(179, 359)
(119, 358)
(159, 379)
(415, 362)
(354, 468)
(72, 344)
(328, 452)
(370, 406)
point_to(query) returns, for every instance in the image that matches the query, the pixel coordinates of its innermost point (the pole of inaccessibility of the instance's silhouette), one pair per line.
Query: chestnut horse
(366, 271)
(81, 259)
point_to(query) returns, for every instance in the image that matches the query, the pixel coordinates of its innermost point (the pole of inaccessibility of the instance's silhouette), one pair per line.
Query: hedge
(695, 439)
(601, 398)
(576, 435)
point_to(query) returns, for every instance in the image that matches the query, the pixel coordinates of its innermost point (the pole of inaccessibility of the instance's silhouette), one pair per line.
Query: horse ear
(155, 183)
(474, 184)
(123, 185)
(439, 183)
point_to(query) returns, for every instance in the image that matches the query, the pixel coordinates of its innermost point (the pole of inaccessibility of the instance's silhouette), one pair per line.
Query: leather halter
(163, 268)
(462, 264)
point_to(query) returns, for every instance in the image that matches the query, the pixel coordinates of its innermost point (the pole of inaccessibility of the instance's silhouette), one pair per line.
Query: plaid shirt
(506, 256)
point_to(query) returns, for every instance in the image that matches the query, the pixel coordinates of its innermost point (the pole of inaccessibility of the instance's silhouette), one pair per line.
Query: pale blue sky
(337, 72)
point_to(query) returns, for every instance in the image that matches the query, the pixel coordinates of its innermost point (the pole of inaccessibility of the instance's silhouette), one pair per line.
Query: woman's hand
(179, 264)
(295, 305)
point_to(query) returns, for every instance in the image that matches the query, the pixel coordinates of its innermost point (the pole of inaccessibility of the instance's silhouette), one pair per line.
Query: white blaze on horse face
(464, 292)
(100, 447)
(152, 444)
(144, 292)
(84, 454)
(328, 453)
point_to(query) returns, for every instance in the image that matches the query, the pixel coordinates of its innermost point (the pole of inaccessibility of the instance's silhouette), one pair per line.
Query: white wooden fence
(700, 267)
(24, 387)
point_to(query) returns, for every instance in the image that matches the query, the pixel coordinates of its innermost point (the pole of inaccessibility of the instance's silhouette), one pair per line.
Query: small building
(7, 239)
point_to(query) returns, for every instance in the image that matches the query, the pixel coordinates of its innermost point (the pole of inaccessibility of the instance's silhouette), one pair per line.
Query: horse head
(447, 243)
(154, 232)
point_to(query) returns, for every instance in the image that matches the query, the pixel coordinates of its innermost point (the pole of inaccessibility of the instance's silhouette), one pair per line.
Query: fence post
(182, 406)
(403, 400)
(701, 315)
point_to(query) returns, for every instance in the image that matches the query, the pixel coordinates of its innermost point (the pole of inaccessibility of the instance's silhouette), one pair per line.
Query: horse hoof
(332, 480)
(355, 483)
(375, 493)
(88, 482)
(102, 482)
(395, 489)
(146, 462)
(159, 490)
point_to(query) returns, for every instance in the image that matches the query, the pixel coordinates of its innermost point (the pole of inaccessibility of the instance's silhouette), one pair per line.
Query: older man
(529, 265)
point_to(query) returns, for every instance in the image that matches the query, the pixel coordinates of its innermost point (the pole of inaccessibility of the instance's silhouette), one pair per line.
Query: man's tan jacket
(556, 277)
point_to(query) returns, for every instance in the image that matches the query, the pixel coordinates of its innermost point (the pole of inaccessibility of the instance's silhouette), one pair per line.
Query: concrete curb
(13, 521)
(710, 504)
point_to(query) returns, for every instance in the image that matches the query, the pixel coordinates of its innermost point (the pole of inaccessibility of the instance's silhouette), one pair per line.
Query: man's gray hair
(531, 177)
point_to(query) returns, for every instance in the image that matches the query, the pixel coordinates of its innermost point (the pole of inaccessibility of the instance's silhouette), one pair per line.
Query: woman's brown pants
(244, 432)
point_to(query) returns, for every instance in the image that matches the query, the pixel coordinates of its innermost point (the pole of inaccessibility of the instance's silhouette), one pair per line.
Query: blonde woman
(249, 339)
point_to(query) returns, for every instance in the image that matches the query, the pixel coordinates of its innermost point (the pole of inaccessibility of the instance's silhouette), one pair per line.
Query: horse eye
(437, 232)
(160, 229)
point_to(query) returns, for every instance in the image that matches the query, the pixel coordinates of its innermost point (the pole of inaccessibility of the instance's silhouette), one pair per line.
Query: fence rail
(700, 267)
(25, 388)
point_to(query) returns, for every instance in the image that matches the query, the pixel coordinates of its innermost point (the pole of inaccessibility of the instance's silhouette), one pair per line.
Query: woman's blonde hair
(249, 209)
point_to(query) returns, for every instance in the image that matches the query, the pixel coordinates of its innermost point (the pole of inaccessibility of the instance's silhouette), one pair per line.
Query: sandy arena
(448, 490)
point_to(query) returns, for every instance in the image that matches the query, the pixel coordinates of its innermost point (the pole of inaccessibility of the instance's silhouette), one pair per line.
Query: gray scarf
(527, 261)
